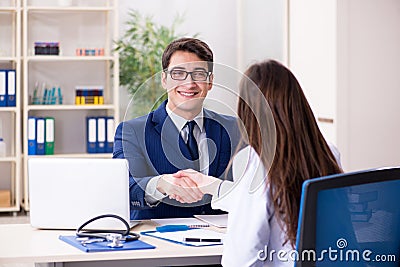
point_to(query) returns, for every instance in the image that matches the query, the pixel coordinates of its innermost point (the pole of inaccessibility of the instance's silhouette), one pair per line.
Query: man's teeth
(187, 94)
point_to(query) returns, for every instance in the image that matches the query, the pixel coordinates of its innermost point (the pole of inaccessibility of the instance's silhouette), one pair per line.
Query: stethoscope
(116, 238)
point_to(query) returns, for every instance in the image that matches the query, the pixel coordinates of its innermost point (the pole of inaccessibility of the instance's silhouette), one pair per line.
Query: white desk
(20, 243)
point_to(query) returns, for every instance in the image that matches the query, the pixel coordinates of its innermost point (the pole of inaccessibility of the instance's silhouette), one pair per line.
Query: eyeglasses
(181, 75)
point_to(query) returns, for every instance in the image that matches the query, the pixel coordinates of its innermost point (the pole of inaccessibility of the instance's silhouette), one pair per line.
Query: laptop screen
(66, 192)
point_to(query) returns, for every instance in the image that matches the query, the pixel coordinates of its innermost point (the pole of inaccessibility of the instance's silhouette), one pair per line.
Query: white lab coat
(253, 229)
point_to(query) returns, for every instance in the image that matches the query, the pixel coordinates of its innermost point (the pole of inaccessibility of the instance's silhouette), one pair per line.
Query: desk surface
(21, 243)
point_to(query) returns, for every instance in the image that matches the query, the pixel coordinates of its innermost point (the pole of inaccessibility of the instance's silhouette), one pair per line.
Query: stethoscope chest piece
(115, 240)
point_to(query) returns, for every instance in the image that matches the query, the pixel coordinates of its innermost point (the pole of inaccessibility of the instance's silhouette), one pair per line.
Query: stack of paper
(200, 237)
(191, 222)
(214, 220)
(198, 221)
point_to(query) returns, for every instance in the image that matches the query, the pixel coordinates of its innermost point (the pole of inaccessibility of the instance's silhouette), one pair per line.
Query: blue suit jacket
(153, 146)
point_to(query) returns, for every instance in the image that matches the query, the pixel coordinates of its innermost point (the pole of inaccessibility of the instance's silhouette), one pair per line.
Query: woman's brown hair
(297, 151)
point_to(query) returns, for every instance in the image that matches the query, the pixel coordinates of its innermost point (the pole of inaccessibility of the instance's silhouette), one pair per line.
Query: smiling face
(185, 97)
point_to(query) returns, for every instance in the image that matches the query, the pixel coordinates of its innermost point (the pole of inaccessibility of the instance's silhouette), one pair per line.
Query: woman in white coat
(285, 148)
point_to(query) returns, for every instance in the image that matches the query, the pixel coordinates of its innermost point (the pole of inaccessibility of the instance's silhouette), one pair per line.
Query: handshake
(188, 186)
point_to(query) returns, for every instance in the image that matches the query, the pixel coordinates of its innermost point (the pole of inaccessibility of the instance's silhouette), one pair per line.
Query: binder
(101, 97)
(40, 136)
(31, 136)
(101, 135)
(60, 97)
(102, 246)
(95, 96)
(53, 96)
(91, 136)
(11, 80)
(44, 97)
(110, 127)
(50, 128)
(3, 88)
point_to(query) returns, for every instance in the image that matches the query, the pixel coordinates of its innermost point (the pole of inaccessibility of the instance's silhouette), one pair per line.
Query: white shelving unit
(10, 117)
(83, 24)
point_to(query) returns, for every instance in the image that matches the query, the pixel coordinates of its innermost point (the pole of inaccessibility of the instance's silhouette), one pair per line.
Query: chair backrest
(350, 219)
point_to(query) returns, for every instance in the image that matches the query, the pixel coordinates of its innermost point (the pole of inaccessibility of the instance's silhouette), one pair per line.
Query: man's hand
(183, 190)
(206, 184)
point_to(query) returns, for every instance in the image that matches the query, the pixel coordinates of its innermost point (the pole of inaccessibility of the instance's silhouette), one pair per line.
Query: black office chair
(350, 219)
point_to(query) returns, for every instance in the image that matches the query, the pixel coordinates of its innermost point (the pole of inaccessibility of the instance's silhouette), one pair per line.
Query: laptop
(64, 193)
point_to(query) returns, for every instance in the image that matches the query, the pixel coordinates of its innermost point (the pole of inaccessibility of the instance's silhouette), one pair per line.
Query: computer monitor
(350, 219)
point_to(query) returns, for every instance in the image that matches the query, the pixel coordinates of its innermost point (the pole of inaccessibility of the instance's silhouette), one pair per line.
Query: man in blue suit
(180, 134)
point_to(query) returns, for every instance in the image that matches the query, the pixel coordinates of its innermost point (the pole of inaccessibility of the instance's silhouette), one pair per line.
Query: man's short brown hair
(192, 45)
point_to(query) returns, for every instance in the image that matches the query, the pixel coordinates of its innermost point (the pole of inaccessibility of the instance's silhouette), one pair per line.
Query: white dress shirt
(253, 229)
(152, 195)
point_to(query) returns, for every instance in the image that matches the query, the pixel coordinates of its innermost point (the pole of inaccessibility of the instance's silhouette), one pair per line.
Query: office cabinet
(67, 46)
(10, 107)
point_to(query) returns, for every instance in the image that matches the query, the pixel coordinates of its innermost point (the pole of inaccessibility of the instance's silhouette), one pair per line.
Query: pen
(172, 228)
(194, 239)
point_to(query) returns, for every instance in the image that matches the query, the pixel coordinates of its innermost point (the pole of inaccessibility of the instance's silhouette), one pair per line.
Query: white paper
(179, 236)
(191, 222)
(220, 220)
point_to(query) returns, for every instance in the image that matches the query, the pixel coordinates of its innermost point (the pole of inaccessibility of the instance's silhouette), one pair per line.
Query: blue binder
(102, 246)
(3, 88)
(101, 135)
(91, 134)
(110, 130)
(11, 88)
(31, 136)
(40, 136)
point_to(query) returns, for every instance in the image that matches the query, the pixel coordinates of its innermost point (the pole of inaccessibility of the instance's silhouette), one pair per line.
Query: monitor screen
(359, 225)
(350, 219)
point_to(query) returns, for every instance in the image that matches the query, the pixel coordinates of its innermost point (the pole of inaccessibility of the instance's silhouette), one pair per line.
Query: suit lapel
(168, 142)
(213, 132)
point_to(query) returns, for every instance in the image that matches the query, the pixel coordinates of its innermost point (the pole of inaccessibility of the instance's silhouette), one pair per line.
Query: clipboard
(178, 237)
(102, 246)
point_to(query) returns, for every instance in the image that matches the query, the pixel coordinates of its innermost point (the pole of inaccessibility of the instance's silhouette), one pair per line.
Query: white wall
(371, 122)
(346, 56)
(263, 33)
(312, 56)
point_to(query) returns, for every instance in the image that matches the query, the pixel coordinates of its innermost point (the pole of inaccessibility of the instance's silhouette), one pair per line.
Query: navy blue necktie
(191, 141)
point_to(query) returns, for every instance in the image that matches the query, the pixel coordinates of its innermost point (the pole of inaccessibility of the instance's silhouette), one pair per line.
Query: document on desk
(220, 220)
(191, 222)
(196, 237)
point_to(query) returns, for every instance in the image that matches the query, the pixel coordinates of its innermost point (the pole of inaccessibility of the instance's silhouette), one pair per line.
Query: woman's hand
(206, 184)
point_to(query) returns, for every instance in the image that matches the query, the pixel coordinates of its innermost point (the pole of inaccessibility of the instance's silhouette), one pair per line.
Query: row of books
(41, 135)
(7, 88)
(100, 134)
(47, 95)
(89, 52)
(47, 48)
(89, 95)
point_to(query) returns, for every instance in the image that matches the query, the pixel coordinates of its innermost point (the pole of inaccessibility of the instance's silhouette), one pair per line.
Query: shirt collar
(181, 122)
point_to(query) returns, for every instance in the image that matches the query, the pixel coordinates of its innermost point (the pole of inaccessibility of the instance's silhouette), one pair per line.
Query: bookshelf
(10, 116)
(80, 24)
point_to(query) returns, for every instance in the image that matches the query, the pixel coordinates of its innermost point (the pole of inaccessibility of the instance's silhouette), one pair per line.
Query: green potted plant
(140, 51)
